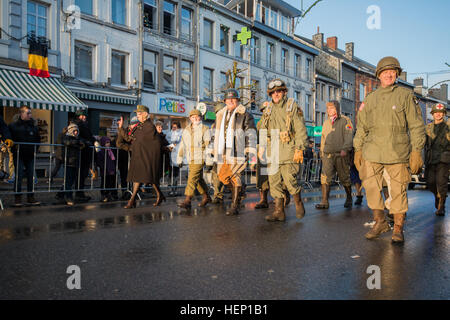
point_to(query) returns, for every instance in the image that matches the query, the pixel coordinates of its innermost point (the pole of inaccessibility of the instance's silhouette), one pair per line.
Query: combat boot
(397, 235)
(262, 204)
(380, 226)
(349, 201)
(299, 208)
(205, 200)
(186, 204)
(325, 194)
(287, 198)
(235, 196)
(358, 201)
(441, 207)
(278, 214)
(18, 200)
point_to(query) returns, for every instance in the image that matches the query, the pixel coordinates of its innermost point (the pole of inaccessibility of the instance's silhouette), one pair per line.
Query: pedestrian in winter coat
(146, 157)
(124, 138)
(59, 153)
(106, 161)
(24, 129)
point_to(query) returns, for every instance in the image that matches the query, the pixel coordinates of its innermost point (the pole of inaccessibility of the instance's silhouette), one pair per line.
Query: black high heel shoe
(130, 204)
(159, 200)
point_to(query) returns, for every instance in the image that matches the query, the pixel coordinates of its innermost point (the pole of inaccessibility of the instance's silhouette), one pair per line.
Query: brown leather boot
(262, 204)
(186, 204)
(278, 214)
(205, 200)
(380, 226)
(324, 204)
(441, 207)
(236, 196)
(287, 198)
(399, 221)
(299, 207)
(349, 201)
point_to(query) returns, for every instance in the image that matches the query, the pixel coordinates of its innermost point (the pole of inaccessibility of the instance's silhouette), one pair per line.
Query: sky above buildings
(416, 32)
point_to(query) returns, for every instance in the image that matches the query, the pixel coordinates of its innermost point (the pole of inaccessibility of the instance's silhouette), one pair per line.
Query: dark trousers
(24, 167)
(85, 164)
(71, 178)
(174, 172)
(437, 178)
(108, 182)
(58, 164)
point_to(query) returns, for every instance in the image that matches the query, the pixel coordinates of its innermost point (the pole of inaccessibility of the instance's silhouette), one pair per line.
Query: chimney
(403, 76)
(318, 39)
(418, 82)
(349, 50)
(332, 43)
(444, 92)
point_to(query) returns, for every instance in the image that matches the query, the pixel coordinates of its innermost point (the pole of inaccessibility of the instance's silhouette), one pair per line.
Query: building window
(119, 11)
(150, 14)
(270, 55)
(83, 60)
(298, 97)
(238, 50)
(118, 67)
(317, 120)
(307, 106)
(186, 23)
(238, 85)
(346, 90)
(285, 25)
(85, 6)
(318, 97)
(255, 50)
(362, 91)
(150, 69)
(258, 12)
(208, 33)
(169, 73)
(223, 81)
(298, 66)
(324, 117)
(273, 19)
(224, 39)
(207, 83)
(265, 15)
(254, 94)
(186, 78)
(284, 60)
(308, 69)
(36, 19)
(169, 18)
(322, 92)
(330, 93)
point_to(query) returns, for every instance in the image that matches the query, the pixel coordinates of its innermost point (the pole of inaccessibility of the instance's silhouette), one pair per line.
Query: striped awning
(109, 97)
(19, 88)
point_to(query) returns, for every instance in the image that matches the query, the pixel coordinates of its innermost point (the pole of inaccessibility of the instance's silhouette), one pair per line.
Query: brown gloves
(358, 160)
(415, 162)
(298, 156)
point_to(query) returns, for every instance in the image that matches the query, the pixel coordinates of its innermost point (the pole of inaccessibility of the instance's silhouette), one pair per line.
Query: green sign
(209, 115)
(317, 131)
(244, 35)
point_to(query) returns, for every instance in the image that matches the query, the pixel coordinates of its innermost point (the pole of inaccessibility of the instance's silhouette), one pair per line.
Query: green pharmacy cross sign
(244, 35)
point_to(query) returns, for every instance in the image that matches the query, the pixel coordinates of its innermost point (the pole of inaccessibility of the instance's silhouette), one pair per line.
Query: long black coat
(146, 155)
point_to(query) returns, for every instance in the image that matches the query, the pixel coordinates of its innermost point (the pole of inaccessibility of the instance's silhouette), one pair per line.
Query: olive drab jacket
(337, 136)
(194, 144)
(277, 117)
(437, 147)
(389, 126)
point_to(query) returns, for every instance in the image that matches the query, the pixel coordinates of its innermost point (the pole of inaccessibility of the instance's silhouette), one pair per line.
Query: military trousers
(332, 163)
(195, 180)
(217, 184)
(262, 180)
(398, 177)
(436, 176)
(287, 173)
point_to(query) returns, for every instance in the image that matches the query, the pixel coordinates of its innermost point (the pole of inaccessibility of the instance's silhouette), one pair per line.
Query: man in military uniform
(437, 157)
(286, 129)
(234, 144)
(217, 184)
(194, 141)
(335, 147)
(390, 134)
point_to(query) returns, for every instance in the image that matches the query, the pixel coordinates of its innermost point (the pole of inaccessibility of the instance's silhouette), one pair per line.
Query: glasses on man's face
(275, 83)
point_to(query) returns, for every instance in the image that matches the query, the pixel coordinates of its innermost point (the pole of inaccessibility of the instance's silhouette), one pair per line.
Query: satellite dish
(202, 108)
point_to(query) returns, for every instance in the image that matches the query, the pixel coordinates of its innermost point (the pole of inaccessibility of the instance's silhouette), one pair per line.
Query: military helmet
(231, 94)
(438, 107)
(141, 108)
(81, 112)
(195, 112)
(274, 85)
(387, 63)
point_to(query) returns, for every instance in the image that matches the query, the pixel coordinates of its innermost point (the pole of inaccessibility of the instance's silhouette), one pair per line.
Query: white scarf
(230, 132)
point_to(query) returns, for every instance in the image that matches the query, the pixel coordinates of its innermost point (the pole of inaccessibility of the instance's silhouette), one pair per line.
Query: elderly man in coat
(234, 144)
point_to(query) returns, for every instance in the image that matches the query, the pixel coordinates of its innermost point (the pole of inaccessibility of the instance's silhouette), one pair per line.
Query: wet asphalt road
(168, 253)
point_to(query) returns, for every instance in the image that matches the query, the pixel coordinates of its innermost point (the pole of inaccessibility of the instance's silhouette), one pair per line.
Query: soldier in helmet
(437, 157)
(390, 136)
(335, 148)
(286, 129)
(217, 185)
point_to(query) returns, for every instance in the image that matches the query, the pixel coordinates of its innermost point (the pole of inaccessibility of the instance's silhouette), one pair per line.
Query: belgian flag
(38, 59)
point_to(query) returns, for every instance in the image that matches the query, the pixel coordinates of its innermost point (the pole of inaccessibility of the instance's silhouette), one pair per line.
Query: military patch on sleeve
(348, 127)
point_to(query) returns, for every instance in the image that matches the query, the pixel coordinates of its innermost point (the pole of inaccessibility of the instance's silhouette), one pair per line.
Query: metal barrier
(172, 179)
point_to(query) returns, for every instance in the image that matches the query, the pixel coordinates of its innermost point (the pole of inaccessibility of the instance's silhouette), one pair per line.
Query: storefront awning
(19, 88)
(110, 97)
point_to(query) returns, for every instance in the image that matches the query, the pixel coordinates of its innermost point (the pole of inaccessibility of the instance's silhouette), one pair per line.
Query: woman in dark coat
(146, 157)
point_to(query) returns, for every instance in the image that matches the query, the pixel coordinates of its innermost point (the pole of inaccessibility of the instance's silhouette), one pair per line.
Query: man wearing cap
(437, 157)
(88, 140)
(390, 136)
(234, 144)
(335, 147)
(286, 140)
(194, 142)
(218, 186)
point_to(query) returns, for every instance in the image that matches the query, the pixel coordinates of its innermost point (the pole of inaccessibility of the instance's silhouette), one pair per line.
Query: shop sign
(171, 104)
